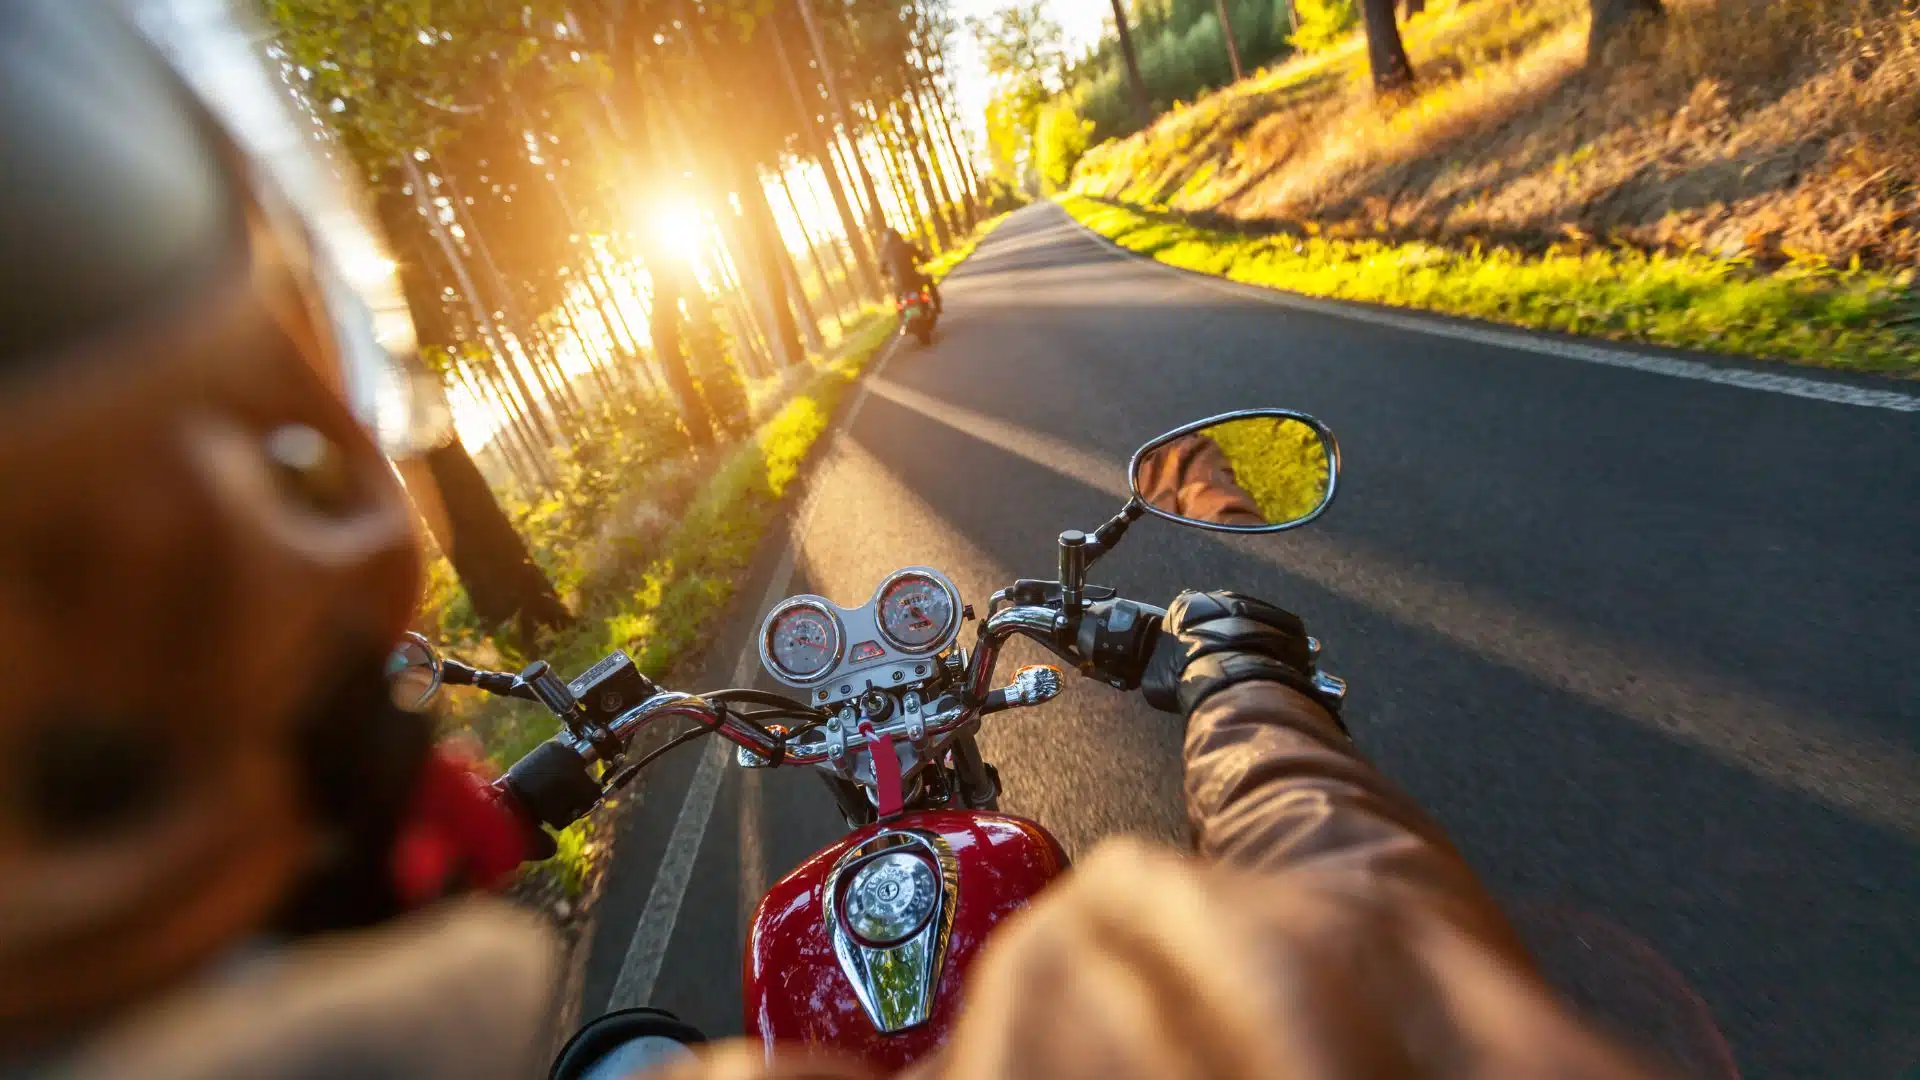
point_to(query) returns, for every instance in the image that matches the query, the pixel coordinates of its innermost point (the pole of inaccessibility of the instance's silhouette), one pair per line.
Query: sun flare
(677, 227)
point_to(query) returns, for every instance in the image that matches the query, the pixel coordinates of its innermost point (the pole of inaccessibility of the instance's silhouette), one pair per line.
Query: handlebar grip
(553, 784)
(1116, 637)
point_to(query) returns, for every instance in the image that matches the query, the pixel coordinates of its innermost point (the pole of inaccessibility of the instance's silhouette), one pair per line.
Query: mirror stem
(1106, 536)
(1078, 551)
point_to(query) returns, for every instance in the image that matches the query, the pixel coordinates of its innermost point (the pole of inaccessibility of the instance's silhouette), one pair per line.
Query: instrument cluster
(809, 642)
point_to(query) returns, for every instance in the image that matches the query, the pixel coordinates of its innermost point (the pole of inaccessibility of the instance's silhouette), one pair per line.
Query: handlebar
(505, 684)
(554, 784)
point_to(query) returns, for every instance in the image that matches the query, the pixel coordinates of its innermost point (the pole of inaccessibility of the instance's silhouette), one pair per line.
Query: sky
(1083, 20)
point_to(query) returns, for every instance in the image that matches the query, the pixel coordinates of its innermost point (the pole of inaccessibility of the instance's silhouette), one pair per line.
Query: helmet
(204, 555)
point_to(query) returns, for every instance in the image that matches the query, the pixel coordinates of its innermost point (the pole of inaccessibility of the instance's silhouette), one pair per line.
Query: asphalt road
(1648, 647)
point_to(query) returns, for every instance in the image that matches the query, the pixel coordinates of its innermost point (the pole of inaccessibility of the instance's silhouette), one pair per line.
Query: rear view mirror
(1257, 470)
(413, 672)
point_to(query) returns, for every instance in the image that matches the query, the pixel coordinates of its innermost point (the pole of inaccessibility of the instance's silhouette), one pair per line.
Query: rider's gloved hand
(1212, 640)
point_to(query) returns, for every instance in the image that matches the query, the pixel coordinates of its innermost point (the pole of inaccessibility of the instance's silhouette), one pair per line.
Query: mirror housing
(414, 672)
(1248, 471)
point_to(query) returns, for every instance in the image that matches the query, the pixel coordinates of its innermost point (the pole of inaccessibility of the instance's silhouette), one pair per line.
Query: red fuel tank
(809, 929)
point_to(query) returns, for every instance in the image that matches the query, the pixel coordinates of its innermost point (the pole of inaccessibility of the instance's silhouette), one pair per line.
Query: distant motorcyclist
(901, 261)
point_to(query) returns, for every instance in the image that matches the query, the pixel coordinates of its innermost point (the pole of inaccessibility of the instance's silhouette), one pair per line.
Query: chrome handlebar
(1038, 622)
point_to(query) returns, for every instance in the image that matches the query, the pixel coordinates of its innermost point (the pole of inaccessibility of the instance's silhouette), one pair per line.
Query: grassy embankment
(653, 574)
(1744, 180)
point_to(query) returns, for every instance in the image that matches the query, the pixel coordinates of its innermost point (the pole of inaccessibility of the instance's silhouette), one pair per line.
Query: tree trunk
(972, 181)
(811, 139)
(770, 255)
(1611, 18)
(902, 195)
(482, 319)
(946, 123)
(502, 581)
(760, 208)
(864, 210)
(633, 142)
(510, 304)
(912, 170)
(1410, 8)
(833, 95)
(914, 131)
(505, 439)
(563, 313)
(952, 181)
(828, 294)
(1226, 34)
(1385, 55)
(1142, 105)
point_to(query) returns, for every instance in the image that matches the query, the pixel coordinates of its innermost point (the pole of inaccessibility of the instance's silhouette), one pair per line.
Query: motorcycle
(864, 947)
(916, 314)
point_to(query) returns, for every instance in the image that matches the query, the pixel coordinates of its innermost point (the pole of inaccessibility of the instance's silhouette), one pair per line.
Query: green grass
(1806, 313)
(1279, 462)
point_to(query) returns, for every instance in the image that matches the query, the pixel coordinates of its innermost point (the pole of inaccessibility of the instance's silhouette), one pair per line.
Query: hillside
(1765, 137)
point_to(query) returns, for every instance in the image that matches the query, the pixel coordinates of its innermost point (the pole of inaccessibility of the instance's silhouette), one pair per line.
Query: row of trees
(1048, 105)
(606, 212)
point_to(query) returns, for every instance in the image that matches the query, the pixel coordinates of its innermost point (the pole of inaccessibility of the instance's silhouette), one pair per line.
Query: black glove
(1209, 641)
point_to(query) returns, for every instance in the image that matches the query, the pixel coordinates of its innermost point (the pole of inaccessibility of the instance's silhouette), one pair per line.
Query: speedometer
(916, 611)
(801, 640)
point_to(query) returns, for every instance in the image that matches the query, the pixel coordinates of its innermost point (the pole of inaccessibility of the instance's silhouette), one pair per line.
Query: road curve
(1646, 646)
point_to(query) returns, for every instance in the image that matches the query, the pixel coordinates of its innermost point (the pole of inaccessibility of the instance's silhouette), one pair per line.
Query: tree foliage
(577, 194)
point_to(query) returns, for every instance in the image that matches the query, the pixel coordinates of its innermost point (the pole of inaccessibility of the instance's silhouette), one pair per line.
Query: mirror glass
(413, 672)
(1253, 471)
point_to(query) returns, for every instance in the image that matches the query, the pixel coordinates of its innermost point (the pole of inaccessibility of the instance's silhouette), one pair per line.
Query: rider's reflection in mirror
(1191, 477)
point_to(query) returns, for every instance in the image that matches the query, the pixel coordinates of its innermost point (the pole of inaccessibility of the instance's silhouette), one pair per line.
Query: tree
(1025, 53)
(1610, 19)
(1226, 34)
(1141, 103)
(1386, 56)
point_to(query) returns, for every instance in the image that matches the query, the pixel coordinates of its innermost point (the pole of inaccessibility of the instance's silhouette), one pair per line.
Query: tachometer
(801, 640)
(916, 611)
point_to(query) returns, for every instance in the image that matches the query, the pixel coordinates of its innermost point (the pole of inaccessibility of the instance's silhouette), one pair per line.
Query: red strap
(889, 796)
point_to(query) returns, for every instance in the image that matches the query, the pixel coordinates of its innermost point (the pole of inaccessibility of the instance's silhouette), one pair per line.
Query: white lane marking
(1792, 385)
(648, 949)
(654, 932)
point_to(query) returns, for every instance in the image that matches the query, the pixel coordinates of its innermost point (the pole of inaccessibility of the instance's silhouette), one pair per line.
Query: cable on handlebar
(629, 771)
(763, 697)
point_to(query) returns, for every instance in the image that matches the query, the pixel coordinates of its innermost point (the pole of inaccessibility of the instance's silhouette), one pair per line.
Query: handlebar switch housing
(611, 687)
(1115, 639)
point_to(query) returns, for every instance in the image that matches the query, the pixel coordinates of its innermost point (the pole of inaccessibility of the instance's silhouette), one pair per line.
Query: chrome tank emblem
(889, 905)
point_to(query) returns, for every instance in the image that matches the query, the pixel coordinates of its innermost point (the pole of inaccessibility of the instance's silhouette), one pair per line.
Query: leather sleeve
(1190, 476)
(1330, 933)
(1273, 785)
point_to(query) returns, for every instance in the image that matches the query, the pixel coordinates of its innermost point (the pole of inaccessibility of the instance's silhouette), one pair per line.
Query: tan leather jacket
(1329, 932)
